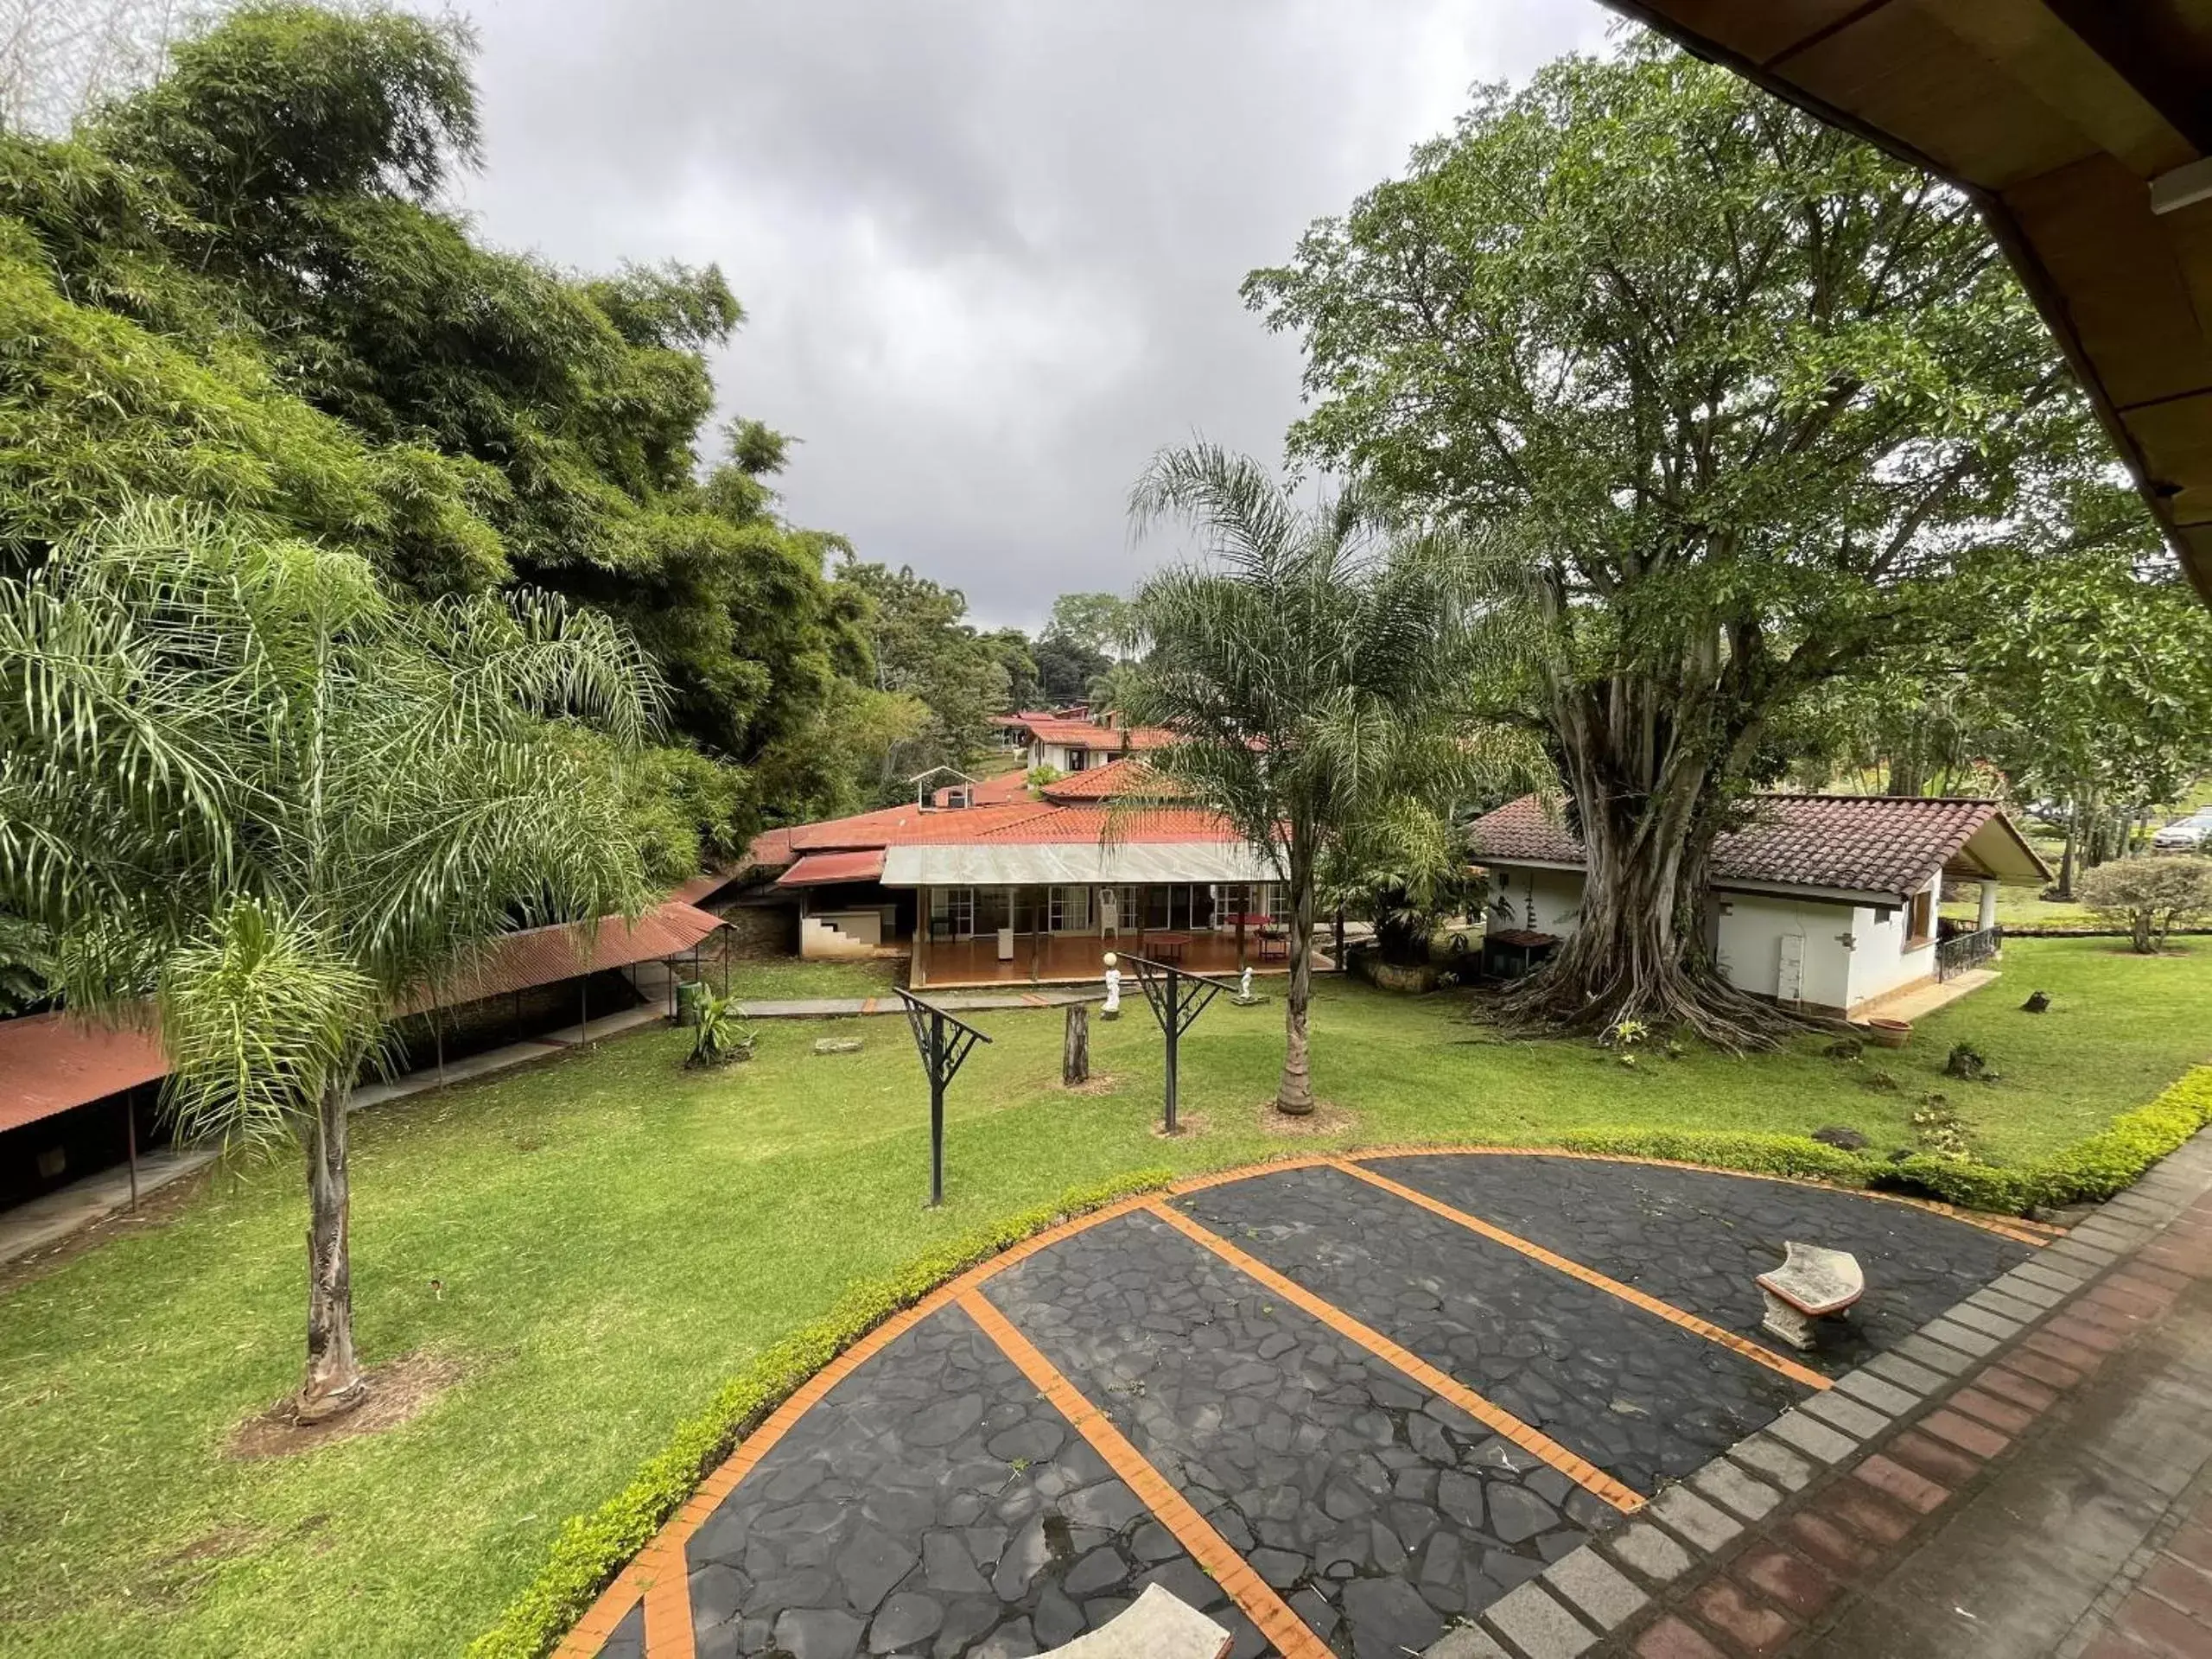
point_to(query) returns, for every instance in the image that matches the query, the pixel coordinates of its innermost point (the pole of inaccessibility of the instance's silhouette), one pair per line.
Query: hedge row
(592, 1549)
(2092, 1169)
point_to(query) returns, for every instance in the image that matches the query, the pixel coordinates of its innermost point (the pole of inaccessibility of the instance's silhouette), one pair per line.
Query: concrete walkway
(835, 1007)
(49, 1220)
(1923, 999)
(2028, 1477)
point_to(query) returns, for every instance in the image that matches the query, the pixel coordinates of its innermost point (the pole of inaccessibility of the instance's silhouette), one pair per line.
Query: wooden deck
(1071, 958)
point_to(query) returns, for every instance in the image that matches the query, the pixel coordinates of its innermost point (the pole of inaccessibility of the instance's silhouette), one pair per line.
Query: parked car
(2188, 835)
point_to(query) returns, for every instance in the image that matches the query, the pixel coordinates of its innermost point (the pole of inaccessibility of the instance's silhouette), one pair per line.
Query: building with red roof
(1822, 901)
(1031, 888)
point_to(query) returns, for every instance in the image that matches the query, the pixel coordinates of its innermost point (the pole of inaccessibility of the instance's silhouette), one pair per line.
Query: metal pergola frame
(941, 1058)
(1177, 997)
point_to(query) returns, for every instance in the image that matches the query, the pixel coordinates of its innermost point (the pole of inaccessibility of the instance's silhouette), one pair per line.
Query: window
(1078, 759)
(1921, 927)
(1071, 910)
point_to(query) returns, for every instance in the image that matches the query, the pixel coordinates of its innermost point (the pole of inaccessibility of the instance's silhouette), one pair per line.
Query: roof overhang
(2062, 119)
(821, 870)
(1021, 864)
(1998, 852)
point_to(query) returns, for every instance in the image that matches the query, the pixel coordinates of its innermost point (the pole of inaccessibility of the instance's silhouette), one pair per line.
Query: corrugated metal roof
(1074, 863)
(542, 955)
(51, 1062)
(818, 869)
(1857, 844)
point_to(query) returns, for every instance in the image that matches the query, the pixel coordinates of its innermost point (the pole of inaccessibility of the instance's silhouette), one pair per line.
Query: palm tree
(243, 785)
(1313, 668)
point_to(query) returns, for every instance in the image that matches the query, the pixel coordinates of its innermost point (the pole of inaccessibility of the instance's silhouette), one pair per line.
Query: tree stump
(1075, 1047)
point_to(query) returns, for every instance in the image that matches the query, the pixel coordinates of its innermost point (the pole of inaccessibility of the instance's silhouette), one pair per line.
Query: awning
(545, 956)
(819, 869)
(51, 1062)
(1022, 864)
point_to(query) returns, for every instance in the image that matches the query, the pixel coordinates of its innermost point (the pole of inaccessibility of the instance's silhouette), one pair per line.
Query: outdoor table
(1166, 947)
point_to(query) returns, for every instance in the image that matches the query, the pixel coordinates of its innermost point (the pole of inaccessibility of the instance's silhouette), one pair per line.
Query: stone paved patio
(1332, 1416)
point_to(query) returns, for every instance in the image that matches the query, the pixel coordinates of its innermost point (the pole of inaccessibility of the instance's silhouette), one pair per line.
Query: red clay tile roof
(1129, 776)
(817, 869)
(1861, 843)
(51, 1062)
(989, 791)
(1088, 734)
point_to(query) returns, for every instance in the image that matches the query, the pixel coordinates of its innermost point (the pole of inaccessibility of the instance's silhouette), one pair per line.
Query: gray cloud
(989, 253)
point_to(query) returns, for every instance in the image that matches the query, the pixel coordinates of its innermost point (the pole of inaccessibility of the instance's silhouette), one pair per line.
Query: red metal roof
(1128, 778)
(1862, 843)
(818, 869)
(51, 1062)
(542, 955)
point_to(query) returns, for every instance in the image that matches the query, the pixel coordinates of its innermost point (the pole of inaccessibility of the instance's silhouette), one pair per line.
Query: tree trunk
(1647, 808)
(2141, 920)
(2064, 892)
(1075, 1046)
(1294, 1095)
(335, 1382)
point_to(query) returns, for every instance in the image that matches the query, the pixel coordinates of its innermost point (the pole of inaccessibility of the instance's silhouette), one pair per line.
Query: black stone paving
(934, 1504)
(1699, 1240)
(1378, 1511)
(628, 1639)
(1639, 1397)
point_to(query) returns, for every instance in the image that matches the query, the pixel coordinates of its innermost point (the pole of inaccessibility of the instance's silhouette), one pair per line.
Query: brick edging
(1749, 1551)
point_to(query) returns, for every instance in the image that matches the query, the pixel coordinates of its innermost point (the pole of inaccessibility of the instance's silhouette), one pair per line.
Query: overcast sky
(988, 252)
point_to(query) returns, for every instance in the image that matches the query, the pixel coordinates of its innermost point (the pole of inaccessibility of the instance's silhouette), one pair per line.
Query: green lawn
(614, 1234)
(780, 978)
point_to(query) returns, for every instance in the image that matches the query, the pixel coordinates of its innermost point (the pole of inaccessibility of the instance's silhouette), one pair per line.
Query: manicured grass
(785, 978)
(599, 1240)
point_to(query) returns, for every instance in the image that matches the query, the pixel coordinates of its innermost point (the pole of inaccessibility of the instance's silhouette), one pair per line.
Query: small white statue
(1244, 984)
(1113, 1008)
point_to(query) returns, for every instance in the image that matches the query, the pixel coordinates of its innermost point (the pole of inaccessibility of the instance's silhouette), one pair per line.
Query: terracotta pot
(1888, 1034)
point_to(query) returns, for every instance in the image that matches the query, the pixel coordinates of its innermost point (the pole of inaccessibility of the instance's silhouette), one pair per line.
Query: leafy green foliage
(1311, 670)
(2150, 895)
(237, 287)
(925, 650)
(1730, 397)
(720, 1034)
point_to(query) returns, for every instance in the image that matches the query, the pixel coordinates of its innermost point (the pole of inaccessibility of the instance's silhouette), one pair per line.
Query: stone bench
(1812, 1283)
(1156, 1625)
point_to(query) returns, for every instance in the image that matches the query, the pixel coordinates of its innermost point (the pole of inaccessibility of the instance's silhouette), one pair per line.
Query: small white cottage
(1824, 901)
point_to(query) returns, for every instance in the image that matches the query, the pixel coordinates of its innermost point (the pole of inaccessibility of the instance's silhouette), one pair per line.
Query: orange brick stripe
(1666, 1311)
(1576, 1468)
(659, 1572)
(661, 1564)
(1283, 1628)
(2020, 1231)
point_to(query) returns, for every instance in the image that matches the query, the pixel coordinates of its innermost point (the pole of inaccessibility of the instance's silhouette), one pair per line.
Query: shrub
(592, 1549)
(2150, 895)
(720, 1035)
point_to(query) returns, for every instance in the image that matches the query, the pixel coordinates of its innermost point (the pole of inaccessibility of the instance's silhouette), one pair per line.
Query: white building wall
(1748, 930)
(1882, 963)
(1555, 896)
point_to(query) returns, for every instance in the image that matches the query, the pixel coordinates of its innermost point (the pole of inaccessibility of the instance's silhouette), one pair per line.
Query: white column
(1988, 917)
